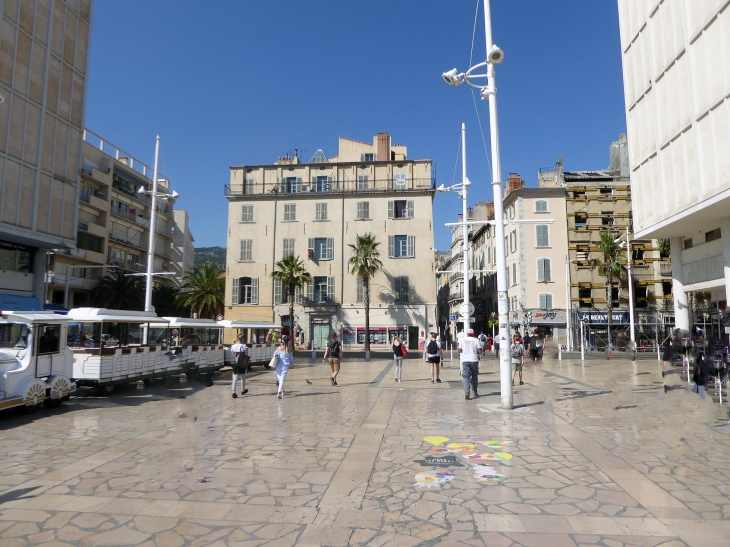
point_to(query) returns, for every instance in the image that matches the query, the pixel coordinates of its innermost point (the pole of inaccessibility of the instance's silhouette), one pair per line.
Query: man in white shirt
(240, 366)
(469, 352)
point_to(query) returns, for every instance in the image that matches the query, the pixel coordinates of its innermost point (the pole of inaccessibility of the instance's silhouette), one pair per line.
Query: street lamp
(461, 188)
(568, 307)
(489, 92)
(627, 244)
(153, 226)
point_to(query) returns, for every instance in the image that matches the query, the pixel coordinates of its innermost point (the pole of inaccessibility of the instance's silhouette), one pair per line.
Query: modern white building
(183, 251)
(676, 65)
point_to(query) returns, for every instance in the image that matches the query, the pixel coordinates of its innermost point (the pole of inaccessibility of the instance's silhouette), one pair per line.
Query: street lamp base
(367, 356)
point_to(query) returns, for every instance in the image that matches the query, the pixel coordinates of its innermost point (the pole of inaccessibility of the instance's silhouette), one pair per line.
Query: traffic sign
(452, 318)
(466, 308)
(470, 319)
(219, 317)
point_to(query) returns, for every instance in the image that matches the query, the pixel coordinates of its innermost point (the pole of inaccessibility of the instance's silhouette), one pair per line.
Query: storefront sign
(349, 336)
(10, 302)
(378, 335)
(601, 317)
(548, 317)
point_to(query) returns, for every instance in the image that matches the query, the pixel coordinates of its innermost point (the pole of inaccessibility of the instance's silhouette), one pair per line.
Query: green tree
(611, 266)
(292, 275)
(365, 263)
(203, 290)
(116, 291)
(664, 247)
(164, 300)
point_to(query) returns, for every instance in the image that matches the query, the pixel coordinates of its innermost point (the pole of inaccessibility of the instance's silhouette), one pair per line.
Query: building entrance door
(413, 338)
(320, 334)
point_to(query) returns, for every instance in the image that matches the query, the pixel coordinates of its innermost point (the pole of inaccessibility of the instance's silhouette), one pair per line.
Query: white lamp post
(153, 226)
(627, 243)
(489, 92)
(568, 309)
(462, 189)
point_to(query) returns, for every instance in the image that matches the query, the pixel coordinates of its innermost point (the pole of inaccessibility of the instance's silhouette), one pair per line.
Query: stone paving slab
(595, 455)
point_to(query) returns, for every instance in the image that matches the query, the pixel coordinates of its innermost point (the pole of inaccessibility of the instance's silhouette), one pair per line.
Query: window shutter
(548, 301)
(391, 245)
(310, 290)
(310, 244)
(297, 295)
(409, 208)
(330, 289)
(243, 250)
(329, 185)
(546, 267)
(362, 157)
(404, 289)
(359, 210)
(330, 248)
(254, 290)
(277, 291)
(234, 291)
(391, 209)
(360, 295)
(411, 243)
(366, 210)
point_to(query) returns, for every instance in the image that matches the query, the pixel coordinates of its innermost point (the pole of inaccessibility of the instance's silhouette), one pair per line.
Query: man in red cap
(469, 351)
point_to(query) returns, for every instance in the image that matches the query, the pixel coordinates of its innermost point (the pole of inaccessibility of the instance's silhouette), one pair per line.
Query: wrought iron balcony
(302, 188)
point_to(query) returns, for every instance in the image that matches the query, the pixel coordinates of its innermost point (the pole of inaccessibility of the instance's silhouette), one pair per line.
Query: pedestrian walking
(469, 356)
(537, 343)
(490, 342)
(434, 357)
(334, 353)
(482, 341)
(399, 351)
(517, 353)
(700, 375)
(239, 350)
(285, 361)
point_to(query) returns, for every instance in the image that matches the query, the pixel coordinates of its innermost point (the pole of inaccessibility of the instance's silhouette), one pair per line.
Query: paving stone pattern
(601, 456)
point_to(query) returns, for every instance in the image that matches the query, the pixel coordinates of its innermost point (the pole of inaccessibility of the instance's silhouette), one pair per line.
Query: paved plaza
(594, 454)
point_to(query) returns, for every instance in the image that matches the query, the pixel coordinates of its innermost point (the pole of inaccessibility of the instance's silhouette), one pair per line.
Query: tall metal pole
(465, 227)
(153, 229)
(631, 290)
(568, 317)
(505, 373)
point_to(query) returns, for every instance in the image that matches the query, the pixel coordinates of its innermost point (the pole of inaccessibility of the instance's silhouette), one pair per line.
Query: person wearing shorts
(517, 355)
(434, 357)
(334, 352)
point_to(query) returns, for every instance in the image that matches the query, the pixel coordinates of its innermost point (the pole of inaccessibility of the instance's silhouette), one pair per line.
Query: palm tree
(610, 266)
(116, 291)
(203, 290)
(292, 275)
(164, 300)
(364, 263)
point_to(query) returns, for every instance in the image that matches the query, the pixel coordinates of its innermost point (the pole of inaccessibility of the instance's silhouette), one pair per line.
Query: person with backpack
(469, 354)
(334, 352)
(240, 366)
(482, 341)
(517, 354)
(434, 357)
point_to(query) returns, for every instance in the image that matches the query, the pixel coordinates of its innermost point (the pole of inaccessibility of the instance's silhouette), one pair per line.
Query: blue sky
(229, 82)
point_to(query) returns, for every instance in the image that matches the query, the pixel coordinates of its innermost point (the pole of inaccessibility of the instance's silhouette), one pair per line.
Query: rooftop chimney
(490, 210)
(514, 182)
(383, 147)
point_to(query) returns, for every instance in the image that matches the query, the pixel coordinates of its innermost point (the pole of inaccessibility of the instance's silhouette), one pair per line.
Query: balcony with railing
(127, 215)
(118, 154)
(456, 295)
(299, 187)
(665, 268)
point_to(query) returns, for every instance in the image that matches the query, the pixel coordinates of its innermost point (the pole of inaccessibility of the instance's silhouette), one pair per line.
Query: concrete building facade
(183, 249)
(677, 92)
(315, 211)
(113, 224)
(44, 52)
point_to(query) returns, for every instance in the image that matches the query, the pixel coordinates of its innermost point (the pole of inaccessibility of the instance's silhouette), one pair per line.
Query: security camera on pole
(489, 92)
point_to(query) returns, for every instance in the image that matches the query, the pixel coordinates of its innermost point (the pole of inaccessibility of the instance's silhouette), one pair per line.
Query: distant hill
(216, 255)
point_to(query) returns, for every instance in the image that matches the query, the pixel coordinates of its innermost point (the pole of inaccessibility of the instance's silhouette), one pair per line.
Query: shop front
(550, 322)
(596, 328)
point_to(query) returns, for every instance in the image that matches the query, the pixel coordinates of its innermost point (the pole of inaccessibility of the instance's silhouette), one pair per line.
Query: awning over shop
(11, 302)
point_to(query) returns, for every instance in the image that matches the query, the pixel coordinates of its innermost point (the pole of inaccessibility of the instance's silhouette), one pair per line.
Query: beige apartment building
(315, 211)
(113, 226)
(44, 52)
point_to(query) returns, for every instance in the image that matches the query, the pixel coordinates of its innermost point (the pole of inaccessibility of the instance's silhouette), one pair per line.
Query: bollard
(658, 355)
(314, 353)
(560, 352)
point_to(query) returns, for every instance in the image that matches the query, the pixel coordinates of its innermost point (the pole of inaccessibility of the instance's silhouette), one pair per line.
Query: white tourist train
(44, 356)
(36, 364)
